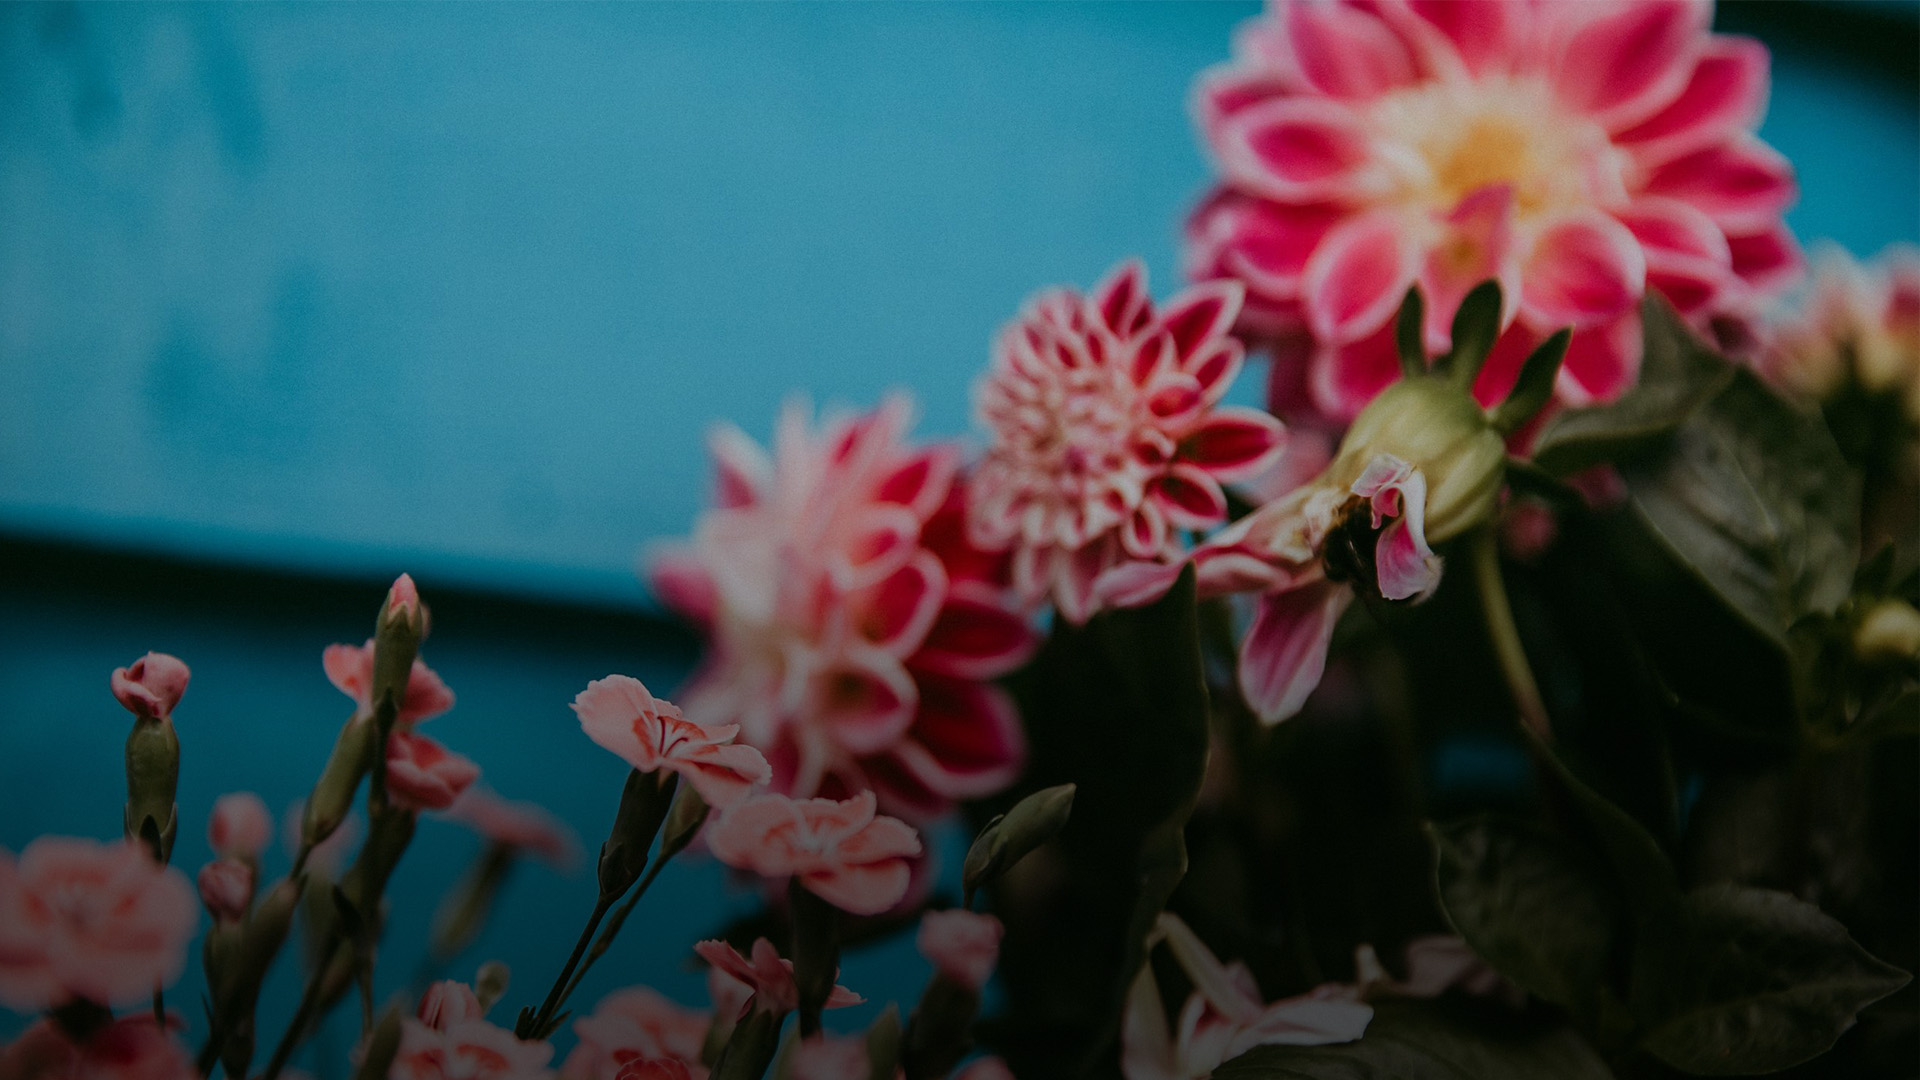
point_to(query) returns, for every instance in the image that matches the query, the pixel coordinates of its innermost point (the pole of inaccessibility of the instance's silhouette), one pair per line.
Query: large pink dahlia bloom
(1580, 153)
(852, 631)
(1108, 436)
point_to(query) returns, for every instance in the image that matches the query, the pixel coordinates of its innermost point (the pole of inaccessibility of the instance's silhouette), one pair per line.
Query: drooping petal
(1285, 651)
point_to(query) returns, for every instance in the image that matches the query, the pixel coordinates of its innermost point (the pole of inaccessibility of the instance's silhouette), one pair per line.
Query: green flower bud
(397, 635)
(490, 983)
(332, 796)
(1441, 430)
(644, 802)
(382, 1046)
(1888, 633)
(153, 774)
(1008, 838)
(464, 911)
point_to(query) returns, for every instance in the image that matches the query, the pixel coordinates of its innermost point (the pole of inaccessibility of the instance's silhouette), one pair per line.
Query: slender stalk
(560, 988)
(1507, 648)
(303, 1013)
(613, 929)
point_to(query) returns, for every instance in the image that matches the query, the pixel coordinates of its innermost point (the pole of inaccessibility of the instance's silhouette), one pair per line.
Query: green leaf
(1476, 326)
(1646, 876)
(1678, 374)
(1119, 708)
(1410, 334)
(1530, 905)
(1754, 498)
(1534, 388)
(1428, 1041)
(1752, 981)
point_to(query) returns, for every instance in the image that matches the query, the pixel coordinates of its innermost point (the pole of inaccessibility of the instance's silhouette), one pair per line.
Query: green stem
(1507, 648)
(560, 988)
(303, 1013)
(613, 928)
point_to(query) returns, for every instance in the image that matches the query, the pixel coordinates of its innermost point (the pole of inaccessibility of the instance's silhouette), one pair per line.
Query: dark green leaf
(1534, 388)
(1426, 1041)
(1530, 904)
(1646, 876)
(1678, 374)
(1410, 334)
(1755, 499)
(1476, 326)
(1751, 981)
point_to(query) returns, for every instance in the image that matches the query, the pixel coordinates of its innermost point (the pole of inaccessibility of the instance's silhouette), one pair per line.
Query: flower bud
(381, 1047)
(240, 826)
(449, 1002)
(332, 797)
(490, 983)
(643, 806)
(226, 888)
(684, 818)
(1008, 838)
(1888, 633)
(153, 773)
(1440, 430)
(397, 635)
(151, 686)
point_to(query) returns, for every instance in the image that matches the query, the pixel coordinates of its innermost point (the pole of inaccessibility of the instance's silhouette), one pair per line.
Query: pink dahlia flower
(523, 826)
(633, 1024)
(852, 631)
(1860, 325)
(350, 667)
(1579, 153)
(769, 976)
(842, 852)
(649, 734)
(962, 945)
(130, 1048)
(424, 775)
(469, 1049)
(151, 686)
(241, 827)
(82, 919)
(1108, 436)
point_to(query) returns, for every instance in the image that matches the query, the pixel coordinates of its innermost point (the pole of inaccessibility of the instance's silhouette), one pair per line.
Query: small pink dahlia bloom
(422, 774)
(649, 734)
(82, 919)
(768, 975)
(852, 631)
(1108, 436)
(638, 1023)
(841, 851)
(962, 945)
(350, 668)
(1579, 153)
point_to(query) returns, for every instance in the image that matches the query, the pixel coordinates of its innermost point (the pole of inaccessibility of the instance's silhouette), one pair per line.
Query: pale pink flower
(638, 1023)
(853, 632)
(841, 851)
(424, 775)
(449, 1002)
(240, 826)
(655, 1069)
(469, 1049)
(1860, 325)
(524, 826)
(1108, 436)
(82, 919)
(151, 686)
(350, 668)
(830, 1057)
(986, 1068)
(769, 976)
(649, 734)
(226, 888)
(1581, 154)
(1226, 1016)
(961, 945)
(130, 1048)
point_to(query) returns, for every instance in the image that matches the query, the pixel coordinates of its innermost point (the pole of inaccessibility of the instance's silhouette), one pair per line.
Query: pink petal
(1200, 315)
(1285, 652)
(1133, 584)
(866, 701)
(350, 669)
(1502, 369)
(1121, 299)
(1743, 186)
(975, 636)
(1602, 362)
(921, 482)
(1620, 66)
(1481, 32)
(1144, 535)
(1235, 442)
(860, 890)
(1295, 149)
(1073, 574)
(682, 583)
(1475, 244)
(1224, 91)
(1343, 378)
(1408, 568)
(1725, 94)
(966, 739)
(1347, 53)
(1586, 268)
(741, 468)
(1768, 260)
(901, 609)
(723, 775)
(1263, 243)
(1190, 497)
(1356, 279)
(880, 539)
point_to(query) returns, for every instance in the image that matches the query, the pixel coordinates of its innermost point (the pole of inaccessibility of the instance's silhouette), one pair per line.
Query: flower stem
(560, 988)
(613, 928)
(1507, 648)
(303, 1013)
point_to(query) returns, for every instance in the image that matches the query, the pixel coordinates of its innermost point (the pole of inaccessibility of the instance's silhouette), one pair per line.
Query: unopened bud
(464, 910)
(151, 686)
(643, 807)
(684, 818)
(1888, 633)
(332, 797)
(397, 635)
(449, 1002)
(1008, 838)
(490, 983)
(382, 1046)
(240, 826)
(884, 1044)
(750, 1049)
(1439, 429)
(153, 773)
(226, 888)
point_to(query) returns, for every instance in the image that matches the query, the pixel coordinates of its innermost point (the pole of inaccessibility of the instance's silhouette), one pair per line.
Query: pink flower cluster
(421, 773)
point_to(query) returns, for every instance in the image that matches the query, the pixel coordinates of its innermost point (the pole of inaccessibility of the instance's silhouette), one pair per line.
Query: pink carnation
(853, 632)
(424, 775)
(1108, 436)
(151, 686)
(1579, 153)
(226, 888)
(842, 851)
(769, 976)
(240, 826)
(131, 1048)
(524, 826)
(350, 667)
(469, 1049)
(634, 1024)
(963, 946)
(620, 715)
(449, 1002)
(654, 1069)
(82, 919)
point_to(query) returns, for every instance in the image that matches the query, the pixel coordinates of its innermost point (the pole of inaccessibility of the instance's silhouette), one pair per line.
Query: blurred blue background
(322, 292)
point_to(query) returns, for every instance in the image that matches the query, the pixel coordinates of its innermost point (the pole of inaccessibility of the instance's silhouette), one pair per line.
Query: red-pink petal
(1234, 442)
(1502, 368)
(1768, 260)
(1725, 94)
(1602, 362)
(1586, 268)
(1343, 378)
(1285, 652)
(921, 482)
(1742, 185)
(860, 890)
(681, 582)
(1199, 315)
(900, 609)
(1620, 66)
(1356, 279)
(741, 468)
(1263, 243)
(1475, 244)
(1481, 32)
(966, 739)
(1189, 497)
(866, 702)
(1144, 535)
(1346, 52)
(976, 636)
(1122, 299)
(1224, 91)
(1295, 149)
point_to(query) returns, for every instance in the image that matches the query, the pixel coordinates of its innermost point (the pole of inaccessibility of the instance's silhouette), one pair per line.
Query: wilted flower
(240, 826)
(130, 1048)
(769, 976)
(82, 919)
(1225, 1017)
(852, 631)
(469, 1049)
(151, 686)
(649, 734)
(226, 888)
(1579, 153)
(1860, 326)
(961, 945)
(841, 851)
(424, 775)
(637, 1023)
(350, 667)
(1108, 436)
(516, 824)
